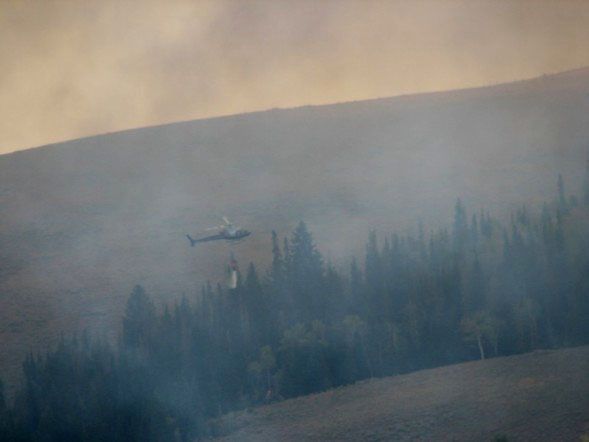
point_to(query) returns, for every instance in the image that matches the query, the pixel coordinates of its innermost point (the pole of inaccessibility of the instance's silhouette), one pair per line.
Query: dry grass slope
(540, 396)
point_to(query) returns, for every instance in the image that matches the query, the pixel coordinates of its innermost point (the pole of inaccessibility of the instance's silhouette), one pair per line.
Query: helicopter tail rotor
(192, 240)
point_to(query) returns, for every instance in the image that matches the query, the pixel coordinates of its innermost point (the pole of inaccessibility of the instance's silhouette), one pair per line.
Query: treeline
(479, 289)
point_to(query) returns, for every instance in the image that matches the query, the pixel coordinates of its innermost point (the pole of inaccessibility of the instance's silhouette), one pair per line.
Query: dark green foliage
(304, 274)
(139, 319)
(460, 228)
(482, 291)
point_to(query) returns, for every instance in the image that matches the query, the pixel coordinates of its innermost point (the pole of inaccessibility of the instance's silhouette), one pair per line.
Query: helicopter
(226, 231)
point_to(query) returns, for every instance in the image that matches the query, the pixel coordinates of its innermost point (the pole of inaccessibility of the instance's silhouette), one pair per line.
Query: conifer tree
(138, 322)
(474, 229)
(259, 309)
(374, 278)
(277, 267)
(357, 304)
(476, 287)
(305, 272)
(460, 228)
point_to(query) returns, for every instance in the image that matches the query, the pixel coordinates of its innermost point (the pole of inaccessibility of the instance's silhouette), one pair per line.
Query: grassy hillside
(540, 396)
(83, 221)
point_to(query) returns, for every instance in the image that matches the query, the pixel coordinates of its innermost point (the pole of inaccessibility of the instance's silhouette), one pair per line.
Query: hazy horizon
(73, 70)
(294, 107)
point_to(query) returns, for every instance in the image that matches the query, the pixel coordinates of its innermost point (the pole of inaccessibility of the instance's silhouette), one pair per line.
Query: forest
(481, 288)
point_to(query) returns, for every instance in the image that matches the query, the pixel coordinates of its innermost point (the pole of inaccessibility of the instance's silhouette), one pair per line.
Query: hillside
(83, 221)
(540, 396)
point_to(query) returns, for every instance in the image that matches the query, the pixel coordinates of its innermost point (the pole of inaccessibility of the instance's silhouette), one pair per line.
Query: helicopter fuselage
(233, 234)
(228, 232)
(224, 234)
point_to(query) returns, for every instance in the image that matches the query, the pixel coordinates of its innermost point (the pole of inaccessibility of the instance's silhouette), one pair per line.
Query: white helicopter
(227, 231)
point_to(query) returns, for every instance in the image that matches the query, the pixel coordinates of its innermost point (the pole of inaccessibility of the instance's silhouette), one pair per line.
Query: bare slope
(541, 396)
(82, 222)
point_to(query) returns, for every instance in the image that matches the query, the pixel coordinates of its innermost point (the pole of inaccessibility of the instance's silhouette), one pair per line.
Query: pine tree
(522, 216)
(259, 307)
(357, 305)
(305, 273)
(139, 319)
(474, 229)
(304, 254)
(476, 286)
(277, 267)
(373, 263)
(286, 260)
(374, 278)
(460, 228)
(486, 224)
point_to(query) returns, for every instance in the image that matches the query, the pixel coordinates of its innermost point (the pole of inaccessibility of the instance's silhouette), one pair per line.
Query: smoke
(71, 69)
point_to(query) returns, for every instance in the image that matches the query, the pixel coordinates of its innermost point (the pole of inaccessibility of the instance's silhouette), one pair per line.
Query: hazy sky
(77, 68)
